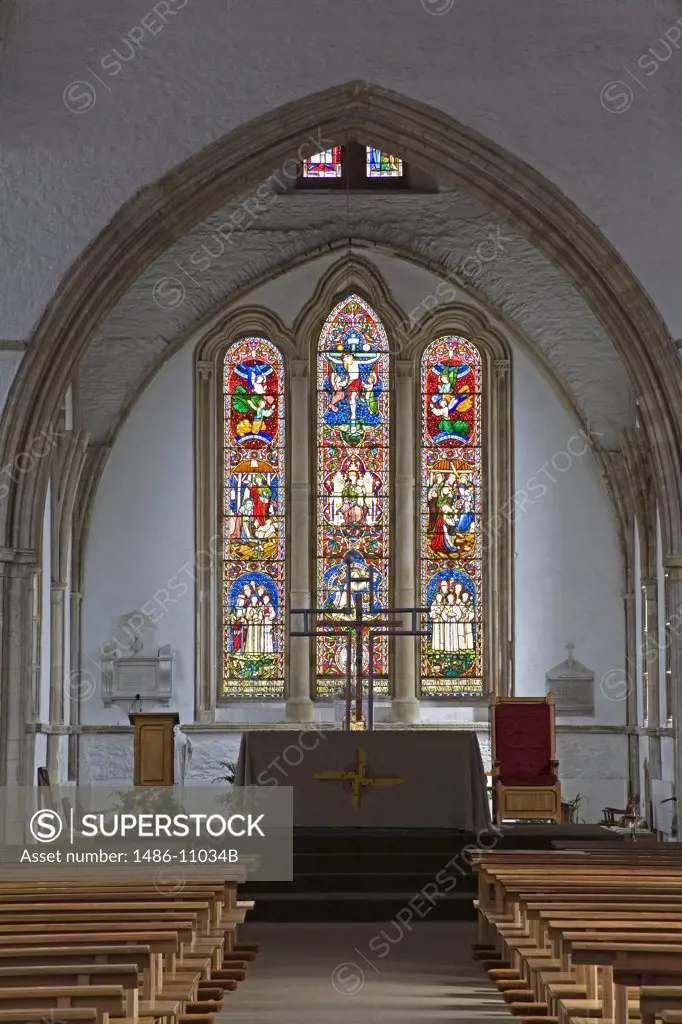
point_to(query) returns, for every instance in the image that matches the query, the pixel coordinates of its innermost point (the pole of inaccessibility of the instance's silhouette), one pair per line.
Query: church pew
(224, 904)
(218, 896)
(183, 984)
(228, 919)
(200, 911)
(633, 965)
(570, 995)
(69, 1016)
(207, 941)
(584, 882)
(166, 998)
(42, 957)
(107, 1000)
(622, 966)
(222, 929)
(162, 945)
(98, 908)
(123, 975)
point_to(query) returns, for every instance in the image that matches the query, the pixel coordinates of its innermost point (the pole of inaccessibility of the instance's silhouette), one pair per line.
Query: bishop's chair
(524, 777)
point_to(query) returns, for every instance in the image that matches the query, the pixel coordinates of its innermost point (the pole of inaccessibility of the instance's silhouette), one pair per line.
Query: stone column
(498, 656)
(299, 706)
(206, 570)
(405, 707)
(57, 681)
(631, 641)
(673, 643)
(68, 461)
(16, 744)
(650, 659)
(75, 622)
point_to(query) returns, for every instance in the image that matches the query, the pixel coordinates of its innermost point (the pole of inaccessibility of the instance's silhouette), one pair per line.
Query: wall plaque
(572, 685)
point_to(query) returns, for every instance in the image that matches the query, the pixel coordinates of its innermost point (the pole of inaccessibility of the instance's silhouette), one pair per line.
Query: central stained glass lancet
(253, 500)
(353, 460)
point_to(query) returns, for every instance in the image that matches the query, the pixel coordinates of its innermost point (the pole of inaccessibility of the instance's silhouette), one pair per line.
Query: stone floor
(352, 973)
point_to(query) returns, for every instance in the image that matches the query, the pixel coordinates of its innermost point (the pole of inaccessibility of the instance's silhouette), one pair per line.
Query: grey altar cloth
(443, 782)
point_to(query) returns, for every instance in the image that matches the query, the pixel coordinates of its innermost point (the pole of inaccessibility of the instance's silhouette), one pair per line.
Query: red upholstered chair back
(523, 738)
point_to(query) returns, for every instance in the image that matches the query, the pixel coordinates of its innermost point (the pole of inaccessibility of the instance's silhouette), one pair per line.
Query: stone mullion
(497, 465)
(299, 706)
(405, 705)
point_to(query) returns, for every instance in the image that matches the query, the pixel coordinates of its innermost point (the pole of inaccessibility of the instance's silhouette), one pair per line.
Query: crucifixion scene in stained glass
(353, 509)
(353, 456)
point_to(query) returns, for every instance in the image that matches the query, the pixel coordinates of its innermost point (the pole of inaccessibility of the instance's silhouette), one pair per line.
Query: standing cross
(355, 624)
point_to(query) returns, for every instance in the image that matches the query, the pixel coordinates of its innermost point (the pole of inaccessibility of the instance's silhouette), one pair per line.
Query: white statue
(183, 755)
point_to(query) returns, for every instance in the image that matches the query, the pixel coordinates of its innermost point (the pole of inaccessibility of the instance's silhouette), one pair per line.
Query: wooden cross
(354, 623)
(361, 778)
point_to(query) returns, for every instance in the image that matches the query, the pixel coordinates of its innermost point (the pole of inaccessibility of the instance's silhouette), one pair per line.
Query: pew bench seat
(69, 1016)
(107, 1000)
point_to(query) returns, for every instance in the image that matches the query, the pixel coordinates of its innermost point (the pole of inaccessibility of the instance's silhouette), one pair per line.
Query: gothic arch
(208, 398)
(163, 212)
(498, 484)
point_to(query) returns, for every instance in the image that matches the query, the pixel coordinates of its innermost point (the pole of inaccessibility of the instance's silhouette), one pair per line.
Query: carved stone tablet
(572, 685)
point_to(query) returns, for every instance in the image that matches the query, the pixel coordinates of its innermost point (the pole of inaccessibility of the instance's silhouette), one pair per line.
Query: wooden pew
(161, 944)
(509, 890)
(123, 975)
(44, 958)
(38, 914)
(107, 1000)
(87, 1016)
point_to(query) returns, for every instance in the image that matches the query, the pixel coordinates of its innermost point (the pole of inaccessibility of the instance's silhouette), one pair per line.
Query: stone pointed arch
(352, 273)
(228, 329)
(165, 211)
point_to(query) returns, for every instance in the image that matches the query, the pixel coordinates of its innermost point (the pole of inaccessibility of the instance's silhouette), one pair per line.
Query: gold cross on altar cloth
(359, 779)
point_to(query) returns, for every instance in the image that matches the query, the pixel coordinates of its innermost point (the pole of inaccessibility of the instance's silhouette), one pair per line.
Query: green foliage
(229, 769)
(452, 666)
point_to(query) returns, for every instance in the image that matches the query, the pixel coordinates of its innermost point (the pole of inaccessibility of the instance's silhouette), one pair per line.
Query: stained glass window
(353, 511)
(383, 165)
(326, 164)
(253, 514)
(450, 519)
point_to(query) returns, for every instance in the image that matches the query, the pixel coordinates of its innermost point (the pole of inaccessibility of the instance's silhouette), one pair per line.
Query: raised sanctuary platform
(348, 874)
(358, 780)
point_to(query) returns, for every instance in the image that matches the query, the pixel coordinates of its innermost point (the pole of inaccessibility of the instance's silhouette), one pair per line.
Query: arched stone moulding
(498, 484)
(161, 214)
(353, 274)
(473, 316)
(457, 155)
(208, 445)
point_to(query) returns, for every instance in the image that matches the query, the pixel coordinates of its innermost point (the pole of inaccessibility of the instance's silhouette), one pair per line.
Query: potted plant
(570, 809)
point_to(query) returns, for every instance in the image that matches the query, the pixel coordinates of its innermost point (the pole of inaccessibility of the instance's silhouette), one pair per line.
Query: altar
(430, 779)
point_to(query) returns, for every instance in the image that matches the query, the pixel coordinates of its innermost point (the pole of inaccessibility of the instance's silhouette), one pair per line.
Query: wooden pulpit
(154, 750)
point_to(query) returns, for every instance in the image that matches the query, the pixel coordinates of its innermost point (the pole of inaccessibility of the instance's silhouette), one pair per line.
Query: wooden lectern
(154, 757)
